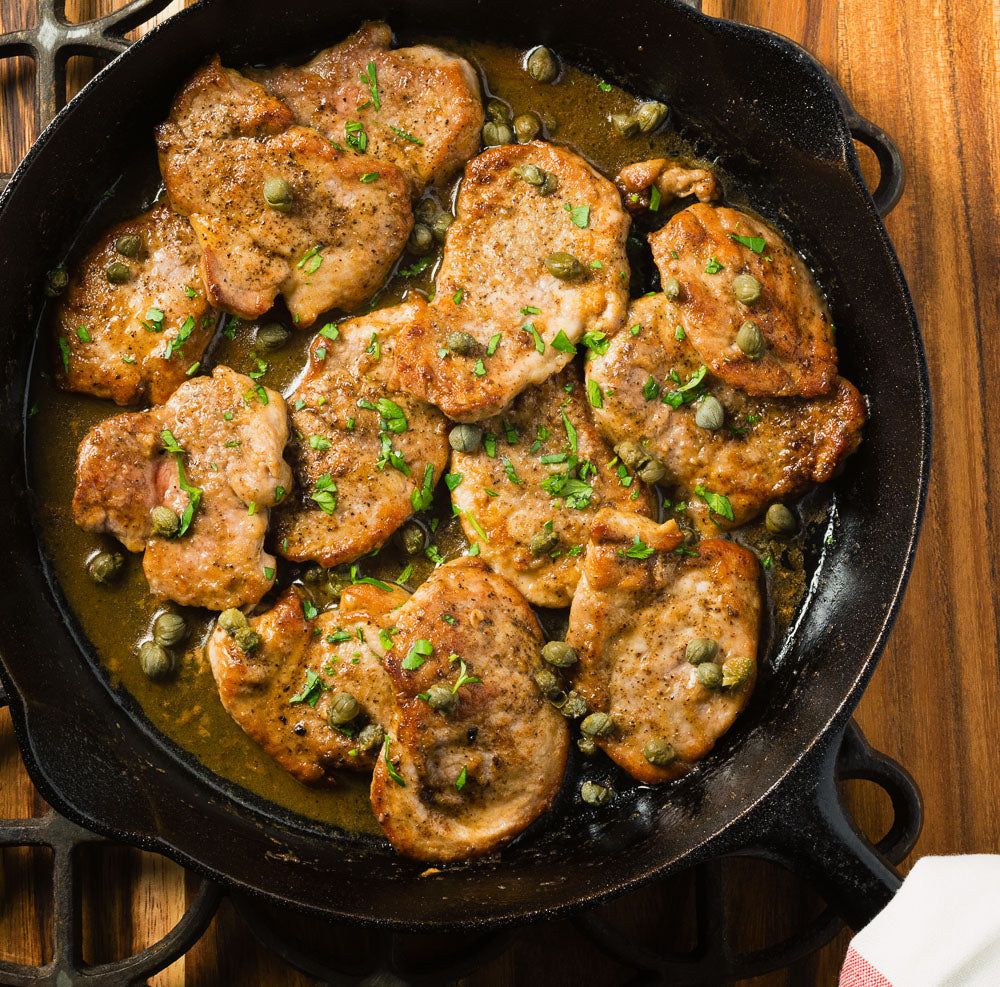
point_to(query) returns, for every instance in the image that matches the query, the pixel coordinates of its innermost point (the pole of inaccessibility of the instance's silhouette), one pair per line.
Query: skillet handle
(807, 829)
(892, 174)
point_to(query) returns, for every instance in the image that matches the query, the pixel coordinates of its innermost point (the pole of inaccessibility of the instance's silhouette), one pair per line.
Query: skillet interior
(752, 100)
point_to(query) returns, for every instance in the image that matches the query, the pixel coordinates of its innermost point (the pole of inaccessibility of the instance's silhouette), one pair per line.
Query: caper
(549, 122)
(118, 273)
(56, 282)
(650, 116)
(700, 649)
(574, 707)
(247, 639)
(441, 698)
(529, 173)
(105, 567)
(652, 471)
(542, 65)
(710, 675)
(495, 134)
(543, 542)
(586, 746)
(278, 194)
(746, 288)
(440, 224)
(780, 521)
(671, 289)
(411, 537)
(550, 185)
(169, 629)
(232, 620)
(155, 661)
(563, 266)
(548, 684)
(735, 671)
(462, 343)
(659, 752)
(128, 245)
(271, 337)
(426, 211)
(625, 123)
(597, 725)
(750, 339)
(710, 413)
(314, 575)
(560, 654)
(594, 794)
(336, 583)
(421, 240)
(342, 709)
(370, 738)
(164, 522)
(527, 127)
(497, 111)
(631, 454)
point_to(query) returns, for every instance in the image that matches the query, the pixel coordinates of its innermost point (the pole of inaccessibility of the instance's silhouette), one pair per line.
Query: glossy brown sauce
(186, 708)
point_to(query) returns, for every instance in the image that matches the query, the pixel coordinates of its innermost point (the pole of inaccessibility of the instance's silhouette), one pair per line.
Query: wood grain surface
(927, 72)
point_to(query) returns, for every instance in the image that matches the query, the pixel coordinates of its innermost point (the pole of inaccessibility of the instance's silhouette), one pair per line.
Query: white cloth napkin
(942, 928)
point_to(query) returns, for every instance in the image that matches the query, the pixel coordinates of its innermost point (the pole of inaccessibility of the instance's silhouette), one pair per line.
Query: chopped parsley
(638, 549)
(635, 330)
(595, 394)
(393, 417)
(680, 334)
(406, 136)
(325, 494)
(686, 393)
(183, 335)
(713, 266)
(319, 443)
(561, 342)
(309, 609)
(356, 136)
(422, 498)
(368, 176)
(463, 677)
(418, 654)
(458, 296)
(479, 369)
(654, 199)
(83, 334)
(452, 480)
(493, 343)
(755, 243)
(311, 691)
(579, 216)
(412, 272)
(539, 343)
(460, 780)
(511, 472)
(393, 773)
(717, 503)
(650, 390)
(604, 87)
(371, 80)
(596, 342)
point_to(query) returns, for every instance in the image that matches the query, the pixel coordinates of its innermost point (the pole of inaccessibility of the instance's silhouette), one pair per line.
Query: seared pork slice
(212, 455)
(494, 284)
(765, 450)
(698, 247)
(529, 496)
(672, 179)
(281, 692)
(429, 110)
(137, 339)
(330, 246)
(366, 456)
(474, 754)
(637, 608)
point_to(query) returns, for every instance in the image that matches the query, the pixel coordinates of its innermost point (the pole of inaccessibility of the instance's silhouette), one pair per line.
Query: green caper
(421, 240)
(550, 185)
(586, 746)
(548, 684)
(370, 738)
(128, 245)
(597, 725)
(343, 708)
(118, 273)
(155, 661)
(529, 173)
(232, 620)
(574, 707)
(625, 123)
(563, 266)
(735, 671)
(497, 111)
(750, 339)
(594, 794)
(278, 194)
(314, 575)
(631, 454)
(56, 282)
(560, 654)
(652, 471)
(169, 629)
(542, 65)
(746, 288)
(650, 116)
(710, 675)
(543, 542)
(441, 698)
(526, 127)
(780, 521)
(440, 224)
(105, 567)
(164, 522)
(411, 537)
(659, 752)
(671, 289)
(271, 337)
(336, 583)
(700, 649)
(461, 343)
(426, 211)
(247, 639)
(710, 414)
(495, 134)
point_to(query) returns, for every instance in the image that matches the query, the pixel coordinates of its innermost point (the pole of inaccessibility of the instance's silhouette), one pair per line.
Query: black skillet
(781, 131)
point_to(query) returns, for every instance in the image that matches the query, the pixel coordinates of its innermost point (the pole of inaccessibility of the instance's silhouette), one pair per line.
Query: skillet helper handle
(807, 829)
(892, 174)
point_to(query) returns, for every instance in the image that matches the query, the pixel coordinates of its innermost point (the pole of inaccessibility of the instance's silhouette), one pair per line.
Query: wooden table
(928, 73)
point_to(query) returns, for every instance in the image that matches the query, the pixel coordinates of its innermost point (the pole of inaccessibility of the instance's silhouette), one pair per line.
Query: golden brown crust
(672, 179)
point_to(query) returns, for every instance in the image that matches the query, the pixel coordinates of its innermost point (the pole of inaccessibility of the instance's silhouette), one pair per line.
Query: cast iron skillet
(782, 133)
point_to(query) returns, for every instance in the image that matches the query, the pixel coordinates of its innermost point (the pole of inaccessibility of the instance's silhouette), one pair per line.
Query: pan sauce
(186, 707)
